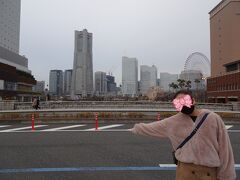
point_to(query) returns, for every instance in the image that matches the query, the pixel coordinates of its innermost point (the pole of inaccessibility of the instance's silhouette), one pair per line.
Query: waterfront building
(16, 80)
(224, 83)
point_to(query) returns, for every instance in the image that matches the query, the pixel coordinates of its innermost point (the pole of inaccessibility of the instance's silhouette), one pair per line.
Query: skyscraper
(16, 81)
(67, 82)
(100, 83)
(129, 76)
(148, 78)
(111, 85)
(82, 77)
(10, 24)
(56, 82)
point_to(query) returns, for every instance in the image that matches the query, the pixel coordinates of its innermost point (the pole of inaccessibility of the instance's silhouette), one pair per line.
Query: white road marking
(64, 127)
(168, 165)
(22, 128)
(107, 130)
(174, 166)
(105, 127)
(228, 126)
(234, 131)
(4, 126)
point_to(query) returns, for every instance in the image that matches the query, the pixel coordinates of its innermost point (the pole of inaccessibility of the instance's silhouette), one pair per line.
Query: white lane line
(105, 127)
(99, 130)
(64, 127)
(22, 128)
(174, 166)
(167, 165)
(228, 126)
(74, 130)
(234, 131)
(4, 126)
(81, 130)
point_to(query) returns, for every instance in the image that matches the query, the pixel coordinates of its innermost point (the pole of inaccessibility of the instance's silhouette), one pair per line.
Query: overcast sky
(163, 33)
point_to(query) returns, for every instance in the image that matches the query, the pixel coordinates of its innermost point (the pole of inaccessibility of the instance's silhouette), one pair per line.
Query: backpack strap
(193, 132)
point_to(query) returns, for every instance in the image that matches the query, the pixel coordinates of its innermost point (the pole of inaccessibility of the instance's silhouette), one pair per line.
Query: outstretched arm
(156, 129)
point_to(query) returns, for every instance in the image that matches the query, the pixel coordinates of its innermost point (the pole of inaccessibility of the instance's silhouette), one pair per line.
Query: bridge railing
(11, 105)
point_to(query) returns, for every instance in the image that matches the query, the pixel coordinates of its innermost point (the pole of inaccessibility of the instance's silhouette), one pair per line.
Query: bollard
(96, 121)
(33, 128)
(158, 116)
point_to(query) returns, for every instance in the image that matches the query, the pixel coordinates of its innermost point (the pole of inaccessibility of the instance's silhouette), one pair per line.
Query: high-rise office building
(224, 83)
(67, 81)
(129, 76)
(100, 83)
(10, 24)
(16, 81)
(111, 85)
(56, 82)
(166, 79)
(148, 78)
(82, 76)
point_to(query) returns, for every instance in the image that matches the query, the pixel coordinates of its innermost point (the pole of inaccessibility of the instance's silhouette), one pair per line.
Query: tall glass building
(56, 82)
(16, 81)
(67, 81)
(10, 24)
(129, 76)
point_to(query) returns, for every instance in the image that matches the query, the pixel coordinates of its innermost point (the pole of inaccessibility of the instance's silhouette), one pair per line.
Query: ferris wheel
(198, 61)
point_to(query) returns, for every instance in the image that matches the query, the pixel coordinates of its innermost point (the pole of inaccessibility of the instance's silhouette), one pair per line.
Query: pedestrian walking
(201, 146)
(35, 103)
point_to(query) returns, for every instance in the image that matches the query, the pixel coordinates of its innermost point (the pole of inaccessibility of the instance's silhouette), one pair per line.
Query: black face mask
(187, 110)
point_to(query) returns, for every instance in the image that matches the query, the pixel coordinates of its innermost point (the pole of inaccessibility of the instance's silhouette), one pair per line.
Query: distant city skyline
(153, 32)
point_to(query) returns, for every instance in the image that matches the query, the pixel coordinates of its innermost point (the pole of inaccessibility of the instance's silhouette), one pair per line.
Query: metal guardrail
(11, 105)
(102, 110)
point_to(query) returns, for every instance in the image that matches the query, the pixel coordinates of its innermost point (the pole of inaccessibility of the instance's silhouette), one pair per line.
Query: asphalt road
(102, 151)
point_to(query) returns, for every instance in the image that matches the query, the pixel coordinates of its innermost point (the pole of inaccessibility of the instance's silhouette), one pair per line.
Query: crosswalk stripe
(64, 127)
(105, 127)
(4, 126)
(228, 126)
(22, 128)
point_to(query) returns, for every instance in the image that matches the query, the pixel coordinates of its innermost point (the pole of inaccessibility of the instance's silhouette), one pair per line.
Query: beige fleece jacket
(210, 146)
